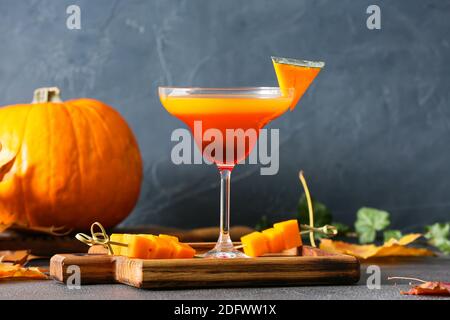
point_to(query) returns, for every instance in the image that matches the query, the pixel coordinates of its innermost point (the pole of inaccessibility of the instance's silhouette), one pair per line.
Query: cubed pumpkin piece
(275, 240)
(162, 247)
(147, 246)
(121, 238)
(117, 237)
(291, 233)
(255, 244)
(183, 251)
(166, 248)
(169, 237)
(141, 247)
(126, 238)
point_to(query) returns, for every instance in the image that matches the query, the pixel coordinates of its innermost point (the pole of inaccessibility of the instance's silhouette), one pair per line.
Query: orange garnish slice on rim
(296, 74)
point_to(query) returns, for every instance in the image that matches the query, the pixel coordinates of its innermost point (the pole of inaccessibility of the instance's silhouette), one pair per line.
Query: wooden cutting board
(309, 266)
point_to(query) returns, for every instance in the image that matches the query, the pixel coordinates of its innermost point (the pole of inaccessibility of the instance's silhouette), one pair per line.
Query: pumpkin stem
(43, 95)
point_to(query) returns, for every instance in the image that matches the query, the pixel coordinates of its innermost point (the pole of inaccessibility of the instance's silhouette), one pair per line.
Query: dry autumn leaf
(391, 248)
(430, 289)
(427, 288)
(19, 257)
(8, 271)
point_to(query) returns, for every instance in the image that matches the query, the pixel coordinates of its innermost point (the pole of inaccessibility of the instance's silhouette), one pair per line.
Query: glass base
(228, 254)
(224, 249)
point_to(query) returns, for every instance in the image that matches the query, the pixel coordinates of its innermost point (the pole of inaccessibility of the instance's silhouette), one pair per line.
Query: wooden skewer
(102, 238)
(113, 243)
(99, 238)
(326, 230)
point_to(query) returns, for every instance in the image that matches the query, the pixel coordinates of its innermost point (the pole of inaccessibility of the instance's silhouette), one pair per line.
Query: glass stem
(224, 243)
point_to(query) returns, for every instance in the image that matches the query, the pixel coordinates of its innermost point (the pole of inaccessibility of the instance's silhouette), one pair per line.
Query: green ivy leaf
(438, 235)
(368, 222)
(438, 231)
(444, 246)
(392, 234)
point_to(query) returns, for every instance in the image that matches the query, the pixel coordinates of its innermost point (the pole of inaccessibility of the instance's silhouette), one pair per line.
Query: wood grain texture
(95, 269)
(312, 267)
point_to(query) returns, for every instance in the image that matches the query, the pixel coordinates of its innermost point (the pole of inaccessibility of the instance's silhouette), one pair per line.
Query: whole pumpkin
(66, 164)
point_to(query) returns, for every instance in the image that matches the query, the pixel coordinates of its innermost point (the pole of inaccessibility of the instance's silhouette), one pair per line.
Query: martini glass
(225, 123)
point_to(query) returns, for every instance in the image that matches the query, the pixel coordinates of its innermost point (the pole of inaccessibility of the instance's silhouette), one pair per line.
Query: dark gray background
(373, 130)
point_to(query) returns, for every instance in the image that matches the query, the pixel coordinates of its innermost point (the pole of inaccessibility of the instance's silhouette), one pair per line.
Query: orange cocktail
(226, 124)
(237, 114)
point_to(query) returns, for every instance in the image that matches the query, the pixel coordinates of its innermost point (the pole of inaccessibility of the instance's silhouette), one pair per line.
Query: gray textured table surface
(424, 268)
